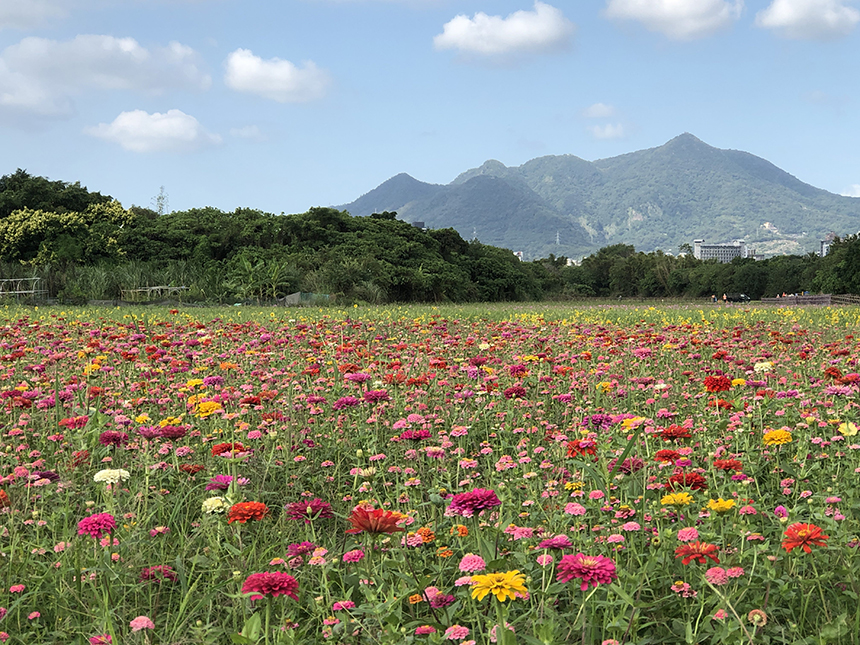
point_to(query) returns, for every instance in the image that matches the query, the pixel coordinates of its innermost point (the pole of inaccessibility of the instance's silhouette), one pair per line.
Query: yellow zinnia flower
(676, 499)
(501, 585)
(208, 408)
(721, 505)
(777, 437)
(847, 429)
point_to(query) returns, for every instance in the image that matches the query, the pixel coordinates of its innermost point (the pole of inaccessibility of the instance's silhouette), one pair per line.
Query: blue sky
(290, 104)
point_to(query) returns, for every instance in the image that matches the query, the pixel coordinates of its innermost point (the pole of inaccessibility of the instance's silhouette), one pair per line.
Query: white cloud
(608, 131)
(809, 19)
(250, 132)
(678, 19)
(599, 111)
(40, 76)
(24, 14)
(852, 191)
(275, 79)
(139, 131)
(541, 30)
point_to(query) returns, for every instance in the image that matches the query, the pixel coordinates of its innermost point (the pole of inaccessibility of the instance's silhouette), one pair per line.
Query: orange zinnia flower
(802, 535)
(375, 521)
(244, 511)
(4, 499)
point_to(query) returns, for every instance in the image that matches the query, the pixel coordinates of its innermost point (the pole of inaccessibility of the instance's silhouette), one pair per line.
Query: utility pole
(161, 202)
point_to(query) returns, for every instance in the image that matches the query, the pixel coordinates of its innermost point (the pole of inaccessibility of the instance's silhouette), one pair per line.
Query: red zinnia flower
(191, 469)
(693, 481)
(375, 521)
(4, 499)
(581, 447)
(220, 448)
(802, 535)
(728, 464)
(697, 551)
(274, 583)
(718, 383)
(675, 432)
(244, 511)
(515, 392)
(667, 455)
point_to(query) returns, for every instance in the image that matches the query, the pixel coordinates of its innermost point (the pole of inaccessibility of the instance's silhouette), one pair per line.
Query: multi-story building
(722, 252)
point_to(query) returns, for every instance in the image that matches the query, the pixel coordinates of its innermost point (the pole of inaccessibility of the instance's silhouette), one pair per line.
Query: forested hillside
(87, 246)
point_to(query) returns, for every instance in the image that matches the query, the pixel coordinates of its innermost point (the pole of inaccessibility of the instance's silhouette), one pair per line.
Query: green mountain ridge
(658, 198)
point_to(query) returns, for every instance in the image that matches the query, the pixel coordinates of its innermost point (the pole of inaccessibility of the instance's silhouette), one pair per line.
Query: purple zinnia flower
(471, 502)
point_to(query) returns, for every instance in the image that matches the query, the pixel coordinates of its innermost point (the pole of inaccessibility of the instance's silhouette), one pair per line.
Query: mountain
(657, 198)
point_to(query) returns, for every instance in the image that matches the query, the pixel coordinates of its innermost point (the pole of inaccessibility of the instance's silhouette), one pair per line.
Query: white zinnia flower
(214, 505)
(111, 475)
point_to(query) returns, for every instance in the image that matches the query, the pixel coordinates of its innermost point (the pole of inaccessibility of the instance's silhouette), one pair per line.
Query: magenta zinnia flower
(157, 573)
(307, 511)
(471, 502)
(591, 569)
(345, 402)
(219, 482)
(272, 584)
(96, 525)
(113, 438)
(376, 396)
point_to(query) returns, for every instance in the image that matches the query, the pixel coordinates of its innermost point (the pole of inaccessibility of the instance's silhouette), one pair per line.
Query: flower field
(535, 475)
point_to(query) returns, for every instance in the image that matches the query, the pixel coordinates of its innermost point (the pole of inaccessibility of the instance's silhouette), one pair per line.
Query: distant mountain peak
(658, 198)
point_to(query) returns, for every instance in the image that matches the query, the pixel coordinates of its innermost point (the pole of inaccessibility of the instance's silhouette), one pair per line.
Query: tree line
(85, 245)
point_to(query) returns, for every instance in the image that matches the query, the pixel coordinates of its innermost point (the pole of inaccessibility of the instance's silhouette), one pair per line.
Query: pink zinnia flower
(456, 633)
(716, 576)
(424, 630)
(355, 555)
(273, 584)
(96, 525)
(557, 542)
(574, 509)
(735, 572)
(688, 535)
(472, 563)
(141, 622)
(591, 569)
(471, 502)
(17, 588)
(101, 639)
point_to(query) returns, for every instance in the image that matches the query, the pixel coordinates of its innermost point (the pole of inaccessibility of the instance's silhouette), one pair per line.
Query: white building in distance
(722, 252)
